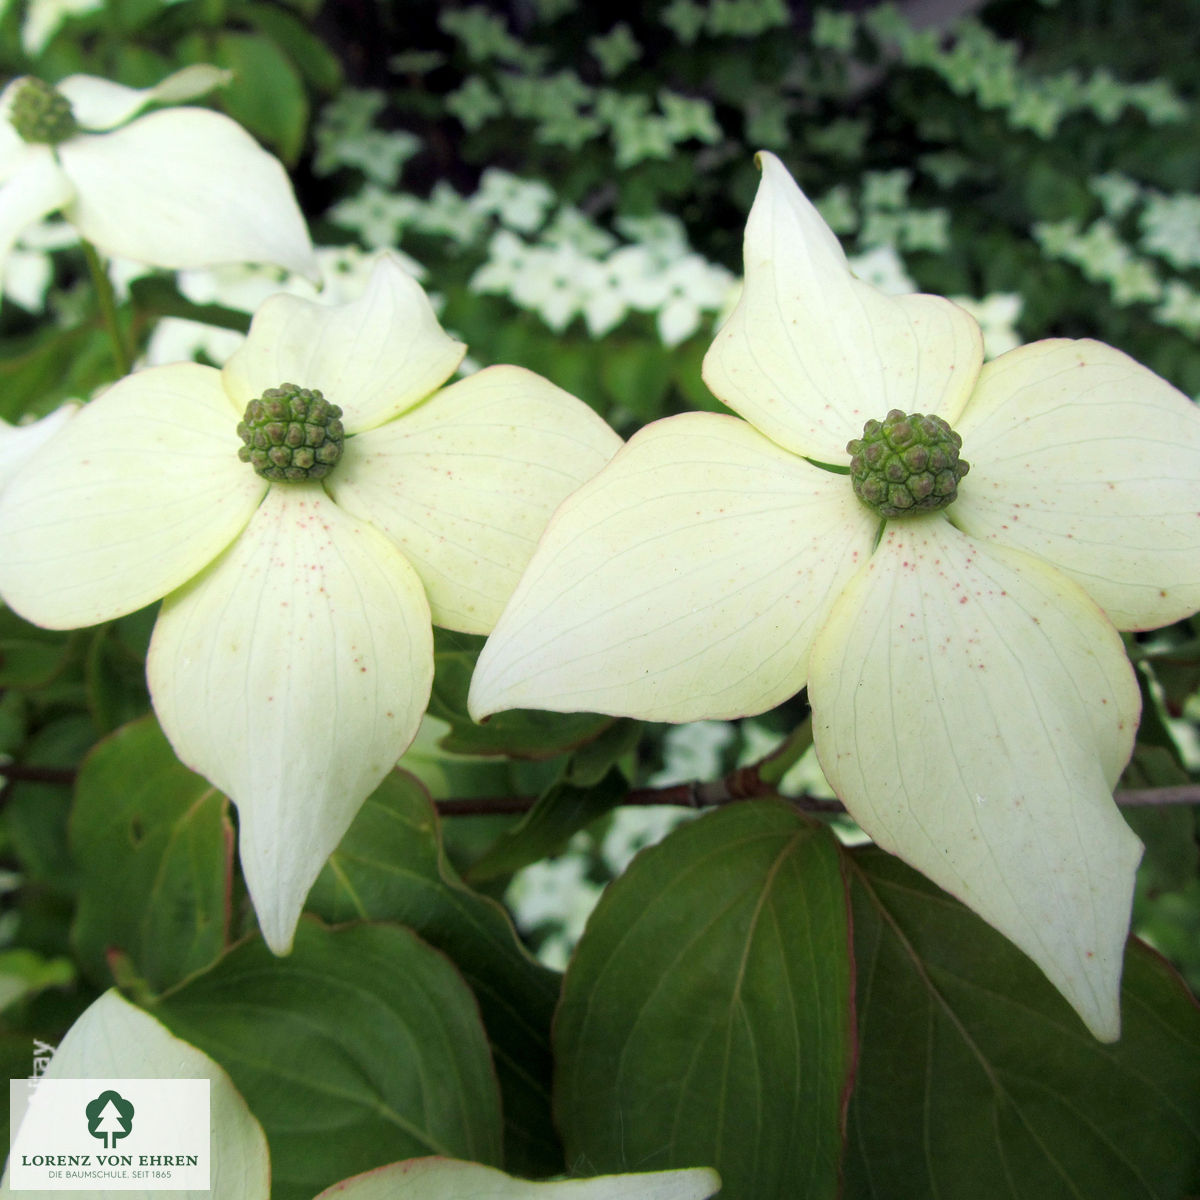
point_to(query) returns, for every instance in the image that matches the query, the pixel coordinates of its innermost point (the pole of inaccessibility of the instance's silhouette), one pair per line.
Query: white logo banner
(108, 1134)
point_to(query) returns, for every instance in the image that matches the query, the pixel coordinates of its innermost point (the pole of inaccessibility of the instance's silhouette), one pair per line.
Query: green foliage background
(1043, 151)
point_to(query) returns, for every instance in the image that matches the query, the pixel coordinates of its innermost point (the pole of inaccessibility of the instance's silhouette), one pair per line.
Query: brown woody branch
(745, 785)
(742, 784)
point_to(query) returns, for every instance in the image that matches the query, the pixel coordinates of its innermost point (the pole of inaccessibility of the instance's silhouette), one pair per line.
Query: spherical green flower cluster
(291, 434)
(42, 114)
(907, 463)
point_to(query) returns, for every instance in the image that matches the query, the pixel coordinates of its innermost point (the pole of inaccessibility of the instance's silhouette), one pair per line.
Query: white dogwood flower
(180, 187)
(972, 703)
(304, 512)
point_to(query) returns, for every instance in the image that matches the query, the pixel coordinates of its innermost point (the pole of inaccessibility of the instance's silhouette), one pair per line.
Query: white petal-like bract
(18, 442)
(292, 674)
(185, 187)
(451, 1179)
(1087, 459)
(687, 580)
(465, 484)
(34, 190)
(102, 104)
(138, 492)
(973, 708)
(810, 353)
(374, 357)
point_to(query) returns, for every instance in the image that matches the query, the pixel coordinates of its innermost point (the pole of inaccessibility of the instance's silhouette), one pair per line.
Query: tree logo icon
(109, 1117)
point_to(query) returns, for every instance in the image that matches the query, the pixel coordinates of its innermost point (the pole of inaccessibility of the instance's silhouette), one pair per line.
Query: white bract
(452, 1179)
(18, 442)
(344, 270)
(180, 187)
(972, 703)
(43, 19)
(292, 659)
(114, 1039)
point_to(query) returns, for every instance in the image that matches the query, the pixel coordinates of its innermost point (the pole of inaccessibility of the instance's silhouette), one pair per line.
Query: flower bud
(41, 114)
(907, 463)
(291, 434)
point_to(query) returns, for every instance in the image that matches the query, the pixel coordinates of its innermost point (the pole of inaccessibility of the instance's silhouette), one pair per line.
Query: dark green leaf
(976, 1079)
(689, 382)
(591, 762)
(13, 721)
(39, 372)
(30, 664)
(115, 682)
(139, 66)
(1168, 831)
(1153, 729)
(362, 1047)
(35, 813)
(133, 633)
(24, 973)
(520, 733)
(390, 865)
(706, 1019)
(266, 94)
(548, 826)
(636, 376)
(308, 53)
(130, 15)
(1178, 673)
(155, 847)
(1172, 923)
(457, 775)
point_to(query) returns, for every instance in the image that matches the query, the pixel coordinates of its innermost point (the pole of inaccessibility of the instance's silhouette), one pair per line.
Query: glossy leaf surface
(390, 865)
(976, 1079)
(706, 1019)
(362, 1047)
(155, 846)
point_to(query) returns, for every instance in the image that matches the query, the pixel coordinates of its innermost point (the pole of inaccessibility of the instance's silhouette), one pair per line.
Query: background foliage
(573, 190)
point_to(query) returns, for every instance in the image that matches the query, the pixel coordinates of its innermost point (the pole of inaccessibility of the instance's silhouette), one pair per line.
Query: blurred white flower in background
(555, 894)
(344, 270)
(517, 203)
(883, 268)
(997, 315)
(43, 19)
(377, 213)
(577, 269)
(180, 187)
